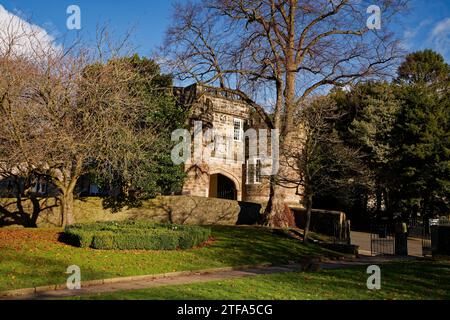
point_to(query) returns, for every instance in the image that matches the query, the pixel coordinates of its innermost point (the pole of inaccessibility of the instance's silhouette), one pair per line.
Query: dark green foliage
(78, 237)
(136, 240)
(135, 235)
(425, 68)
(420, 167)
(375, 108)
(421, 162)
(370, 115)
(403, 130)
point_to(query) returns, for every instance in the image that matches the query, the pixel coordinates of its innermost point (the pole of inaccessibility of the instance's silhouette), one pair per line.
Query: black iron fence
(427, 230)
(388, 238)
(420, 228)
(382, 239)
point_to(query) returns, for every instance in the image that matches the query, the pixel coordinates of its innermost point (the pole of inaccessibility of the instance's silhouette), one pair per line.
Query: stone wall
(176, 209)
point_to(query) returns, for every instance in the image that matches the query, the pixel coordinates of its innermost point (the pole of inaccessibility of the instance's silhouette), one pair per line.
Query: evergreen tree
(422, 135)
(156, 174)
(424, 67)
(422, 159)
(370, 115)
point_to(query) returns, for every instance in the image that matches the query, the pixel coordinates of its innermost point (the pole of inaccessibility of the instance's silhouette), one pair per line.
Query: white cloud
(440, 36)
(442, 28)
(22, 38)
(410, 35)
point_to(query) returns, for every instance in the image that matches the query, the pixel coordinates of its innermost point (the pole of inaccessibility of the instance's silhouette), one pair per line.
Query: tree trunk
(425, 205)
(276, 214)
(67, 182)
(67, 217)
(309, 205)
(379, 199)
(387, 201)
(291, 73)
(36, 211)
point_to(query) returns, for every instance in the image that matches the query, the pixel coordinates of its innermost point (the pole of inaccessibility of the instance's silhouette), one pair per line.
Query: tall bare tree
(320, 160)
(281, 51)
(63, 110)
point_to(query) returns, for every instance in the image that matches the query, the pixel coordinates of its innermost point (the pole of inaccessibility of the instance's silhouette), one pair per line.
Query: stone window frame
(257, 177)
(238, 132)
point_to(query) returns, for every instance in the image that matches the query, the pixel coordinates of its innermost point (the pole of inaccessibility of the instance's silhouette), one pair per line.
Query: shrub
(156, 240)
(192, 237)
(79, 238)
(135, 235)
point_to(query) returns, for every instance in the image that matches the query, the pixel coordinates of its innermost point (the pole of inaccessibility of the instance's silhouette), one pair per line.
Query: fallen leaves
(19, 238)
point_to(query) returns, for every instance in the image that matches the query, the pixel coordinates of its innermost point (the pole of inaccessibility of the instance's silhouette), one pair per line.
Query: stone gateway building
(246, 178)
(227, 116)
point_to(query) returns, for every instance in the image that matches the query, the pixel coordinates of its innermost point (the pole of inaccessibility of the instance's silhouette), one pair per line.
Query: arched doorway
(222, 187)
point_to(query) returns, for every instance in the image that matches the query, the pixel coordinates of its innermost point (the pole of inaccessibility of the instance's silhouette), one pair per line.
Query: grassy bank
(400, 281)
(31, 258)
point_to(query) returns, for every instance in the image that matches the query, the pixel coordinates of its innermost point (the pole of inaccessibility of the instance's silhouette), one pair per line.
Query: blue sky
(149, 17)
(426, 25)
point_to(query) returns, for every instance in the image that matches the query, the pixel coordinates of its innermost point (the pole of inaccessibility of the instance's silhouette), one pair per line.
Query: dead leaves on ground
(18, 238)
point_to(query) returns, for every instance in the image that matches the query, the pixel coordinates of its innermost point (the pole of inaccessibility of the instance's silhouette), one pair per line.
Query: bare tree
(63, 110)
(320, 160)
(282, 51)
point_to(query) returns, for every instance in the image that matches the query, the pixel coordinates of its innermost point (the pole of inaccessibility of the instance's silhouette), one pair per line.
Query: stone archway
(224, 186)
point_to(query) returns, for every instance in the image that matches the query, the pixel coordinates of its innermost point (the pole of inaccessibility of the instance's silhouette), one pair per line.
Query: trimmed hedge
(135, 235)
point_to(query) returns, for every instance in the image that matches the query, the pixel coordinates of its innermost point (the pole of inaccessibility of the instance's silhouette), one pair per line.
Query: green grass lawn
(34, 257)
(400, 281)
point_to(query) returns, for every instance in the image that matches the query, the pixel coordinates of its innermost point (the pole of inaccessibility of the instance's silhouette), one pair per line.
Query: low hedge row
(135, 235)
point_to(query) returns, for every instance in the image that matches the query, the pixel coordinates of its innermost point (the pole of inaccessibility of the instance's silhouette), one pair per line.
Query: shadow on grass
(247, 245)
(400, 281)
